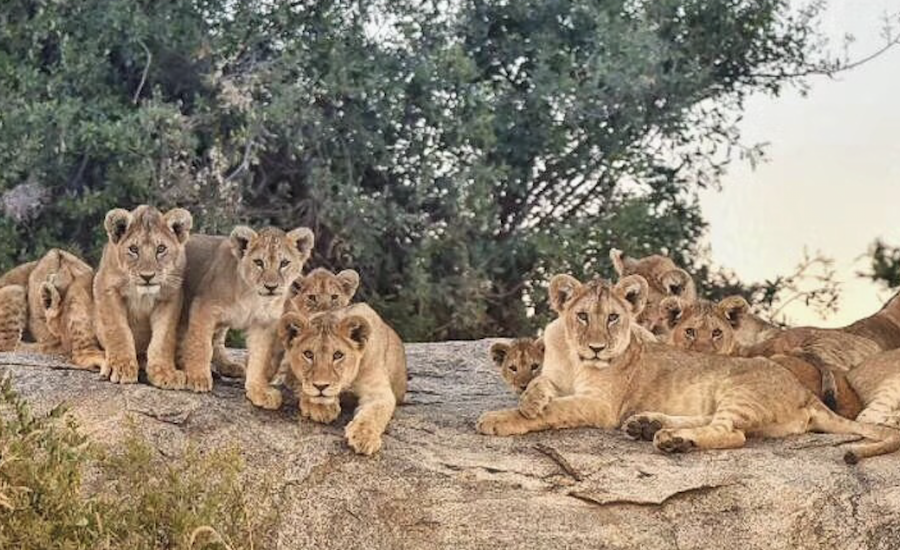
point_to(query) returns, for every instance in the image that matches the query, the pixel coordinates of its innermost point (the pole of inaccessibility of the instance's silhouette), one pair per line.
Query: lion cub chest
(140, 306)
(253, 310)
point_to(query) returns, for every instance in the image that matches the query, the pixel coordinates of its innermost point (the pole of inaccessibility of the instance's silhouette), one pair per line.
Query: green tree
(885, 264)
(455, 154)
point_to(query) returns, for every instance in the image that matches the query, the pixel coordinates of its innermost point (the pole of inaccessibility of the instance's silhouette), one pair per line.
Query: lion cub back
(384, 350)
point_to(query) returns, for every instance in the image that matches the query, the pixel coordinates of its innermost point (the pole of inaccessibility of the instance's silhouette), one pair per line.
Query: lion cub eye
(613, 318)
(582, 316)
(311, 297)
(285, 263)
(690, 333)
(535, 367)
(717, 333)
(308, 354)
(161, 249)
(334, 297)
(338, 356)
(513, 368)
(259, 263)
(133, 250)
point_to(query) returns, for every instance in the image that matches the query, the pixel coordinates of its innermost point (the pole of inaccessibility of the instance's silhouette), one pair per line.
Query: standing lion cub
(596, 372)
(350, 350)
(138, 293)
(240, 282)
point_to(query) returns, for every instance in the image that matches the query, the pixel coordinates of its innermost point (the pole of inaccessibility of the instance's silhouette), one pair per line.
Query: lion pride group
(644, 354)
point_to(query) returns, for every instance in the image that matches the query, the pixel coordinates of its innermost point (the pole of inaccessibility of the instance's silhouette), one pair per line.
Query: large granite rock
(438, 484)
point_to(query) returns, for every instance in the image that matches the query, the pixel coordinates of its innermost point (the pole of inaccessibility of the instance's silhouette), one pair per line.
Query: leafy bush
(135, 499)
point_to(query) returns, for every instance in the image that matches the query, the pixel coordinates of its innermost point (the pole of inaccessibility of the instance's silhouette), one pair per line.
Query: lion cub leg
(260, 344)
(225, 365)
(884, 405)
(375, 409)
(13, 316)
(718, 434)
(161, 369)
(572, 411)
(197, 348)
(540, 391)
(121, 357)
(645, 425)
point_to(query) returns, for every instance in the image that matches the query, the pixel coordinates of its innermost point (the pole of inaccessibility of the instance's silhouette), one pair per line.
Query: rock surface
(438, 484)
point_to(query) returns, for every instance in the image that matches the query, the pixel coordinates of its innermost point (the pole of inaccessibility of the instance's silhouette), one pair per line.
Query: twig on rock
(560, 460)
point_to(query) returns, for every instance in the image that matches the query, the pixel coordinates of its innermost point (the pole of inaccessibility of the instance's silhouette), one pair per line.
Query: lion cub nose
(147, 277)
(271, 288)
(321, 387)
(597, 348)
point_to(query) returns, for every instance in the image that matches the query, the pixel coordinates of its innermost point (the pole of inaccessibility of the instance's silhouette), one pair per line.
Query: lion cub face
(519, 361)
(664, 279)
(703, 326)
(271, 259)
(598, 315)
(321, 290)
(324, 352)
(149, 245)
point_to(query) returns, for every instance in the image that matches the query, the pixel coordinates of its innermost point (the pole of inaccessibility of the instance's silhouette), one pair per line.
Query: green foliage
(885, 262)
(454, 154)
(136, 499)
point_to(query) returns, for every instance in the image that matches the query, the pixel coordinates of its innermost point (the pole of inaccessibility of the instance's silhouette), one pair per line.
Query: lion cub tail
(884, 440)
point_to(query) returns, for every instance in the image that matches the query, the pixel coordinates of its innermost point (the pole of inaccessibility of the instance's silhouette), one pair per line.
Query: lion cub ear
(499, 351)
(116, 224)
(678, 282)
(180, 222)
(290, 327)
(734, 309)
(621, 263)
(240, 239)
(356, 329)
(303, 240)
(297, 286)
(50, 298)
(349, 280)
(633, 289)
(539, 346)
(673, 308)
(562, 288)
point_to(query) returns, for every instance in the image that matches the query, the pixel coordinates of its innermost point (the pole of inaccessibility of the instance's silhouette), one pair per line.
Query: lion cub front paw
(363, 437)
(641, 427)
(317, 412)
(122, 370)
(167, 378)
(200, 383)
(667, 442)
(264, 397)
(508, 422)
(533, 401)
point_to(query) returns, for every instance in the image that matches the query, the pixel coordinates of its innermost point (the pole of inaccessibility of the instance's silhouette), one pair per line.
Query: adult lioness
(348, 350)
(596, 371)
(518, 361)
(664, 279)
(728, 327)
(138, 293)
(240, 282)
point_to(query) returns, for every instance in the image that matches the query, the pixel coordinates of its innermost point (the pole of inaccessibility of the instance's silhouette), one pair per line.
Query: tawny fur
(596, 373)
(13, 316)
(518, 361)
(138, 293)
(664, 279)
(727, 327)
(240, 282)
(877, 381)
(350, 350)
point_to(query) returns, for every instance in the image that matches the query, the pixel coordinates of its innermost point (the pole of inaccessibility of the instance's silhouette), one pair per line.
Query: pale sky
(832, 180)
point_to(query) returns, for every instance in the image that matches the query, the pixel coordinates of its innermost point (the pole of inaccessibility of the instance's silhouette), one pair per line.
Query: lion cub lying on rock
(596, 373)
(350, 350)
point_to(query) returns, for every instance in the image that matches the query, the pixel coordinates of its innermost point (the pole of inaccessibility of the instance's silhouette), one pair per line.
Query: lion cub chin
(350, 350)
(596, 369)
(138, 293)
(240, 282)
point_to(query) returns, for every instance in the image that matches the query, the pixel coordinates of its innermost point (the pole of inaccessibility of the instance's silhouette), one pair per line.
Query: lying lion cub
(240, 282)
(728, 327)
(519, 361)
(138, 294)
(350, 350)
(596, 371)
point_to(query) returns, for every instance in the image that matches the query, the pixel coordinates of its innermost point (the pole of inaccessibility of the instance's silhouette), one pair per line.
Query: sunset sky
(832, 180)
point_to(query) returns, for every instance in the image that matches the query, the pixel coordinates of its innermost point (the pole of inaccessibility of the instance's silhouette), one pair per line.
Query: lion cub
(321, 290)
(519, 361)
(350, 350)
(138, 293)
(729, 328)
(240, 282)
(596, 370)
(877, 381)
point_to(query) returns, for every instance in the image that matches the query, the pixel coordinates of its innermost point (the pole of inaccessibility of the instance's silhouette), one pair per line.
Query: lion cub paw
(533, 402)
(667, 442)
(324, 414)
(122, 371)
(363, 437)
(264, 397)
(167, 378)
(508, 422)
(641, 427)
(199, 383)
